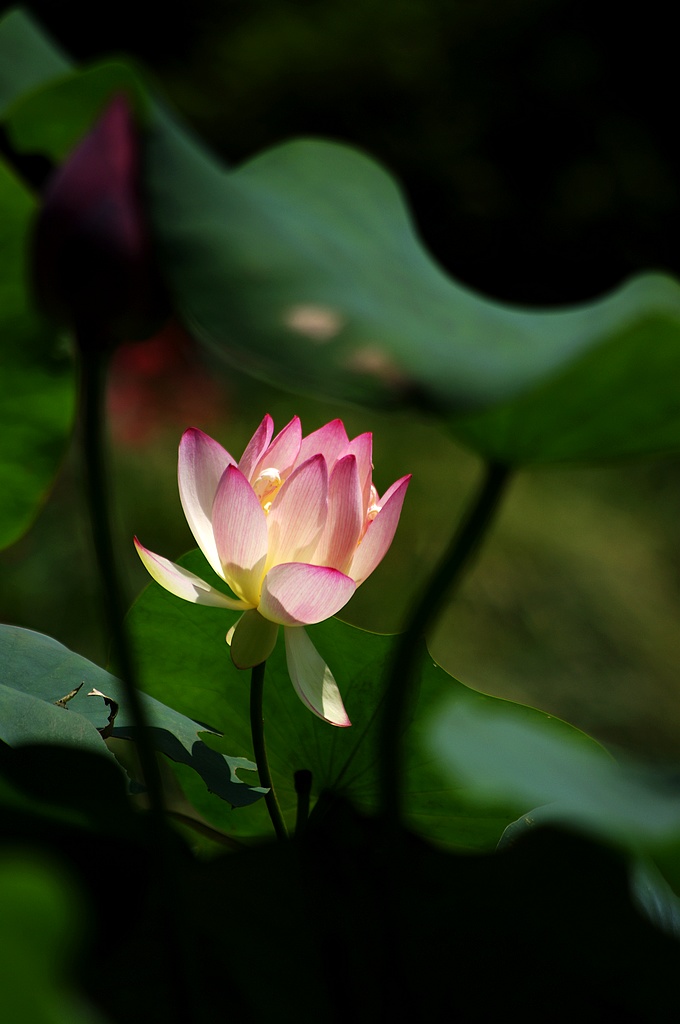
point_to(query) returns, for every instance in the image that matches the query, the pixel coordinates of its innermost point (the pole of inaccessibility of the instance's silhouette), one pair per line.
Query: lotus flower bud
(92, 254)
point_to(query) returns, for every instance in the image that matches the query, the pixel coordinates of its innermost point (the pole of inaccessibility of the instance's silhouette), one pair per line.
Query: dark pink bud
(92, 255)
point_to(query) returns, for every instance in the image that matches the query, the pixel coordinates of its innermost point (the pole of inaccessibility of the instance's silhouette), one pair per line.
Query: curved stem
(410, 644)
(180, 1001)
(92, 388)
(257, 730)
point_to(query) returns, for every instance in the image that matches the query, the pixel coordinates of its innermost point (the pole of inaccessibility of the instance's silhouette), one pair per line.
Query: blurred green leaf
(619, 398)
(42, 923)
(52, 119)
(182, 656)
(303, 266)
(655, 897)
(37, 386)
(39, 671)
(498, 758)
(46, 103)
(28, 57)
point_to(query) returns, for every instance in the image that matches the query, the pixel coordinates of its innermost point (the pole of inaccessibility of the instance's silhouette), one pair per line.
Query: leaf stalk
(410, 646)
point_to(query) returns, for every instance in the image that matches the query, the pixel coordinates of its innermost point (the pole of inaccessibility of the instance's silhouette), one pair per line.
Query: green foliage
(40, 929)
(303, 266)
(43, 672)
(37, 392)
(618, 398)
(497, 758)
(183, 658)
(29, 57)
(52, 119)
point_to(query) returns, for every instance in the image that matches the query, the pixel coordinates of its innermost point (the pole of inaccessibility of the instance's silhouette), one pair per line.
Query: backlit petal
(257, 444)
(300, 594)
(298, 513)
(312, 678)
(362, 447)
(282, 452)
(252, 640)
(380, 532)
(202, 461)
(182, 583)
(345, 518)
(331, 441)
(240, 528)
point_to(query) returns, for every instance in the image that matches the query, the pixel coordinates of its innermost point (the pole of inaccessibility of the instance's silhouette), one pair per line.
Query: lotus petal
(313, 680)
(300, 594)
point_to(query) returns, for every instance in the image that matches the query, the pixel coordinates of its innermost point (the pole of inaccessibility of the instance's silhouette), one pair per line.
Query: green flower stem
(92, 397)
(257, 730)
(181, 1001)
(410, 646)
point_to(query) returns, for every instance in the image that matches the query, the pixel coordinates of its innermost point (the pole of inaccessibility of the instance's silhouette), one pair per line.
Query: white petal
(312, 678)
(182, 583)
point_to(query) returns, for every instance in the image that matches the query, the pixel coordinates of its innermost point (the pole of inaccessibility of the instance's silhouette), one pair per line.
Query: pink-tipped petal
(253, 639)
(362, 447)
(312, 678)
(202, 461)
(298, 594)
(380, 532)
(240, 528)
(182, 583)
(282, 452)
(330, 441)
(345, 518)
(257, 444)
(298, 513)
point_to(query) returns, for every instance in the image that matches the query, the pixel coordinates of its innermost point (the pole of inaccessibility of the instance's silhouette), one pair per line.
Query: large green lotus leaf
(303, 265)
(46, 103)
(183, 659)
(497, 758)
(28, 57)
(37, 671)
(37, 384)
(28, 718)
(53, 118)
(620, 398)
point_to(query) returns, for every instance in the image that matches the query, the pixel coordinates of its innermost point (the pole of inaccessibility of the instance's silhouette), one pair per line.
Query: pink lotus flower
(293, 528)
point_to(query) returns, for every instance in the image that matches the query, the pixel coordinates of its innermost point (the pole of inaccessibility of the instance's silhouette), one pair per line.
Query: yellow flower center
(267, 486)
(374, 507)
